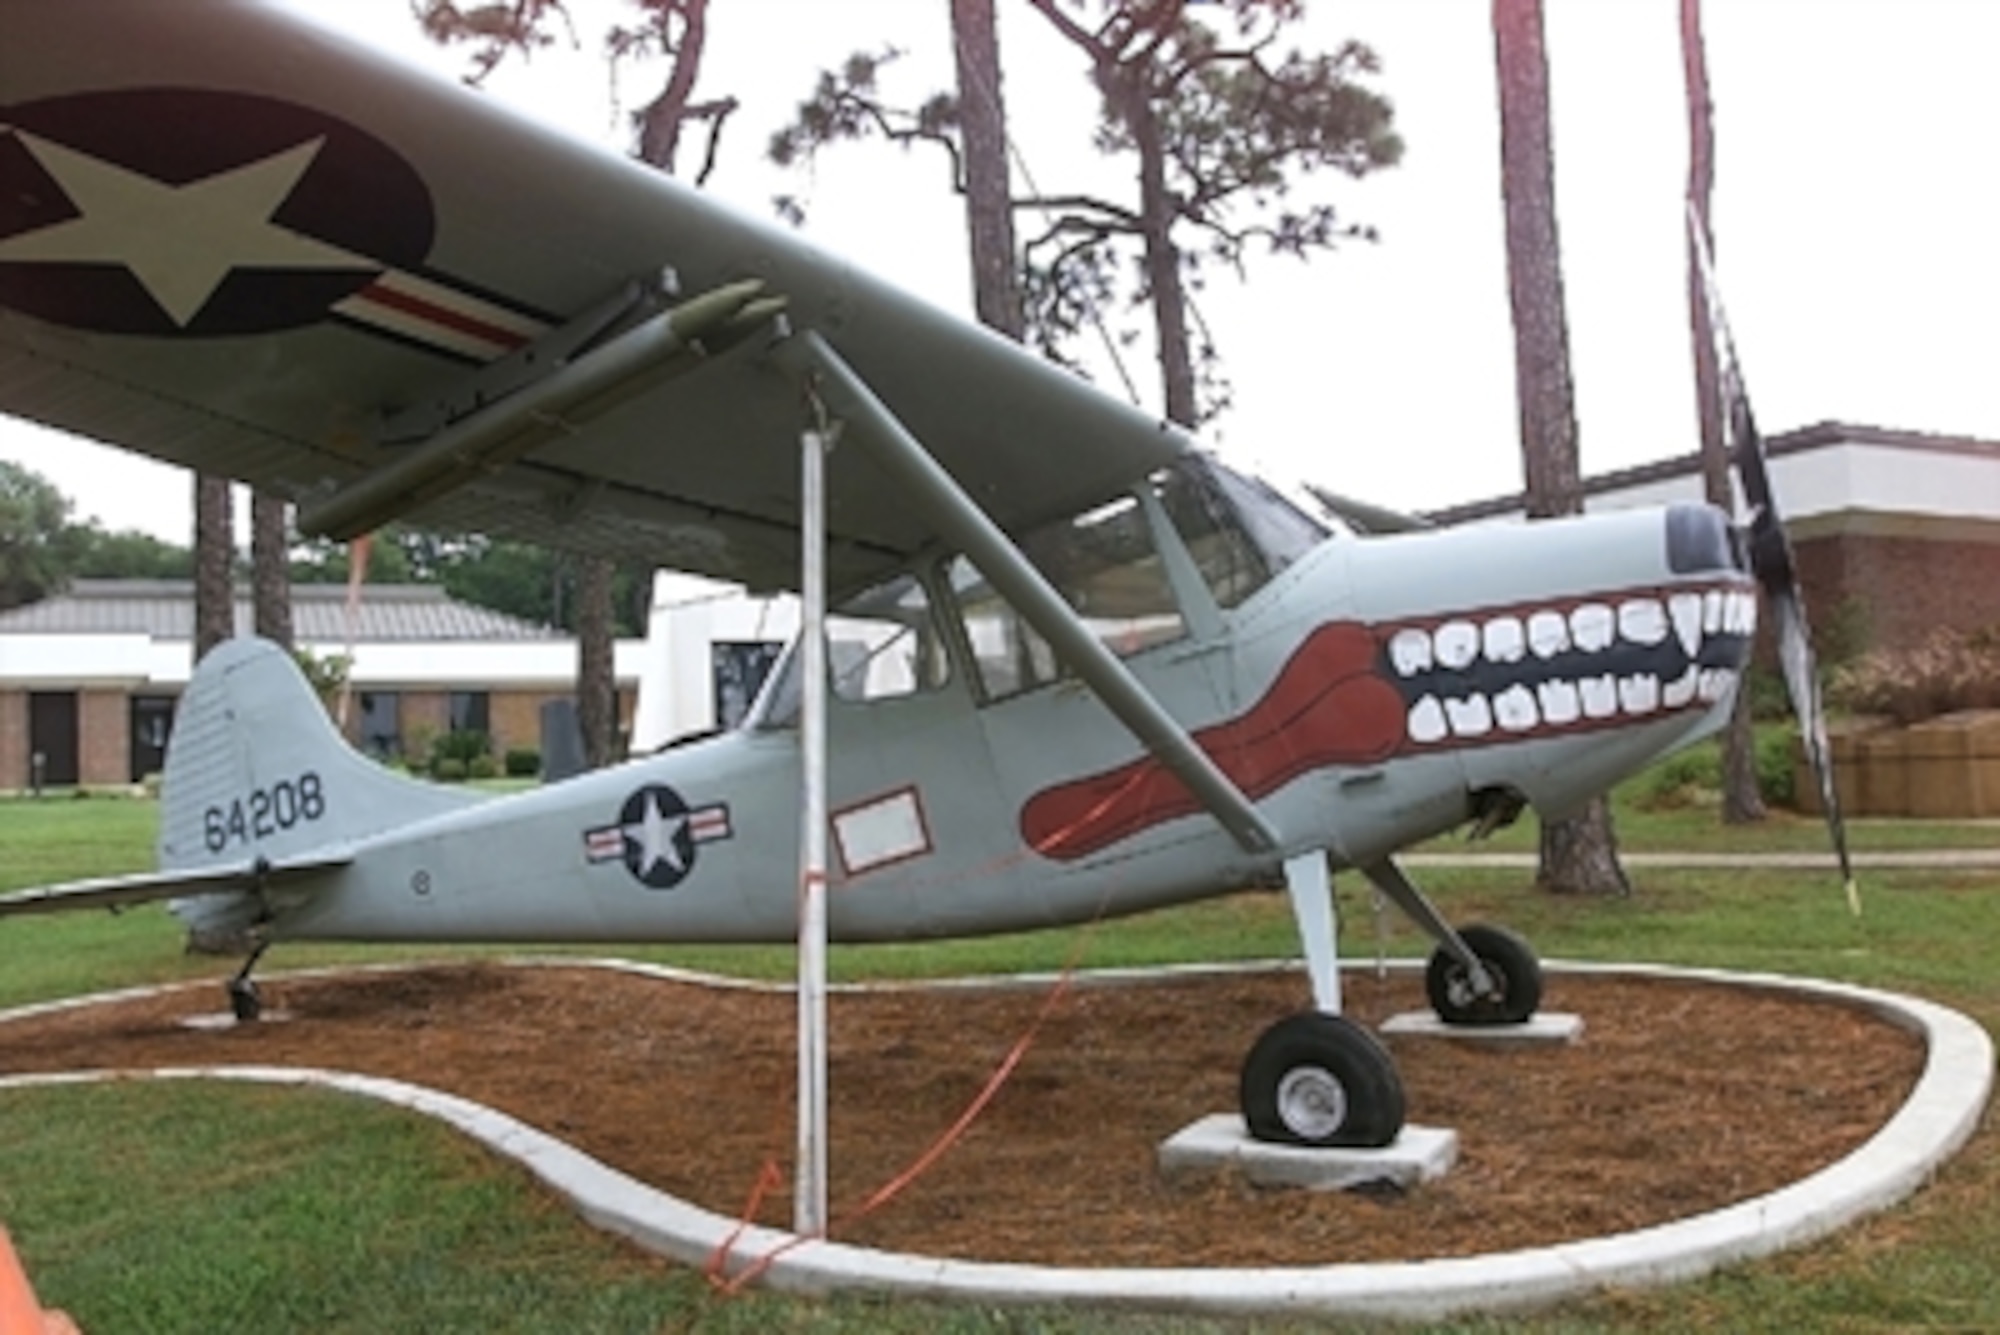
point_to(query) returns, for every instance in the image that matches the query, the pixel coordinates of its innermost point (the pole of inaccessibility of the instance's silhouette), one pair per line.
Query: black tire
(1321, 1080)
(1512, 963)
(245, 1003)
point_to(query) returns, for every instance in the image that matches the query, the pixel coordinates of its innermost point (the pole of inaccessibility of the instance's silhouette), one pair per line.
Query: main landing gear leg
(1483, 975)
(1317, 1078)
(244, 1003)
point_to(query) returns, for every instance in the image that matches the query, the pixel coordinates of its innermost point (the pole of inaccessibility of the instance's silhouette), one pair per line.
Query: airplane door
(918, 833)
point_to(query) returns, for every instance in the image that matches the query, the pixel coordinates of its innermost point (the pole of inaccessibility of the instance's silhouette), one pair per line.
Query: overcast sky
(1856, 215)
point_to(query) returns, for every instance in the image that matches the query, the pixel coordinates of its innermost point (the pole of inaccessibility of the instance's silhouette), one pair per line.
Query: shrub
(481, 767)
(1948, 672)
(462, 745)
(523, 762)
(1774, 766)
(1686, 778)
(449, 769)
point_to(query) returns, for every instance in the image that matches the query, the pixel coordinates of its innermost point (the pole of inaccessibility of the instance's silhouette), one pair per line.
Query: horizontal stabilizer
(113, 892)
(1364, 517)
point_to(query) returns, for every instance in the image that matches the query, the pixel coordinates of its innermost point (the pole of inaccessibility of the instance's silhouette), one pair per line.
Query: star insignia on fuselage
(658, 849)
(656, 835)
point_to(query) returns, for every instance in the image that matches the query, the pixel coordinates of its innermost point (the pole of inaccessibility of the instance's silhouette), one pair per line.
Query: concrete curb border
(1942, 1112)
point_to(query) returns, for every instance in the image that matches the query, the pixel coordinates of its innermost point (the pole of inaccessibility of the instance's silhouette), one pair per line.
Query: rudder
(256, 769)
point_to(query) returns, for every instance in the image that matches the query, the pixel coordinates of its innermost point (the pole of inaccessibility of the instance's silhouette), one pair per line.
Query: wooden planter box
(1946, 768)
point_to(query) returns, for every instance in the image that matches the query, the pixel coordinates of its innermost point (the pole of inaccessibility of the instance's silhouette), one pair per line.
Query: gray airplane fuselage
(1365, 698)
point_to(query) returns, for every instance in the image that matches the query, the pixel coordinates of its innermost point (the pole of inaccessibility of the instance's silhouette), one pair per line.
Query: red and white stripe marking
(443, 317)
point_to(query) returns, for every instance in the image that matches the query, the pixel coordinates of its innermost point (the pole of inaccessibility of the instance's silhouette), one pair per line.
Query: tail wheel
(1511, 965)
(1321, 1080)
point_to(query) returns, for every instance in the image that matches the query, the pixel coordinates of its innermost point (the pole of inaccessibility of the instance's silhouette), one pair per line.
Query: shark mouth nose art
(1574, 665)
(1354, 694)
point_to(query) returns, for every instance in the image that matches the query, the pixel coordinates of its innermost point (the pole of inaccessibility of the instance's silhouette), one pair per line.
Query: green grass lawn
(149, 1207)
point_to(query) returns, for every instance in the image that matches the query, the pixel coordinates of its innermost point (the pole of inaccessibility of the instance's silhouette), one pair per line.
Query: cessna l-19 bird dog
(1078, 667)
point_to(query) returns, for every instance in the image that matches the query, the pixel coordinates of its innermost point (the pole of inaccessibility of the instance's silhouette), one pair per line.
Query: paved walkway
(1903, 859)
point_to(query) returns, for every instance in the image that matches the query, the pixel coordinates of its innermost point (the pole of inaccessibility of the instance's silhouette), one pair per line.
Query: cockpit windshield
(1106, 563)
(1239, 531)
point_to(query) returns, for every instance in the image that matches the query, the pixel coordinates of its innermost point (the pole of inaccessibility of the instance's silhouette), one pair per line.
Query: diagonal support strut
(960, 520)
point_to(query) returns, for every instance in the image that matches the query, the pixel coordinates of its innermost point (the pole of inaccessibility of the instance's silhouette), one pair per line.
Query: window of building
(469, 711)
(738, 669)
(381, 723)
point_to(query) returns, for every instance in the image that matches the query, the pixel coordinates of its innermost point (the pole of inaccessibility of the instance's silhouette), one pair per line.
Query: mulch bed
(1682, 1097)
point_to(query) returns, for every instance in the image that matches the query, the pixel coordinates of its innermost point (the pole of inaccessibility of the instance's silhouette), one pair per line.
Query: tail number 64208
(263, 812)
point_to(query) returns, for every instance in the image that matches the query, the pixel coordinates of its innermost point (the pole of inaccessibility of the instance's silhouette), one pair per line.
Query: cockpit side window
(1105, 564)
(883, 643)
(880, 644)
(1239, 531)
(1009, 655)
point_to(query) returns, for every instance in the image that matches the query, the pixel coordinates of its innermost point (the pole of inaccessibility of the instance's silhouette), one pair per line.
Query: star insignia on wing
(180, 242)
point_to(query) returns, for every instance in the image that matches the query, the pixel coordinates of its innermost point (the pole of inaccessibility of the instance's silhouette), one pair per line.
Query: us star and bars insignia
(656, 835)
(192, 213)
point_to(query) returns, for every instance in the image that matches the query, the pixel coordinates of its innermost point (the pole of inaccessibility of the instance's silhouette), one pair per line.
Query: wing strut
(485, 441)
(969, 528)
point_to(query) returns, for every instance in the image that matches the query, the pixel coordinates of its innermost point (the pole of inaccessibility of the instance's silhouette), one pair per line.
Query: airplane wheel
(1321, 1080)
(1512, 963)
(244, 1003)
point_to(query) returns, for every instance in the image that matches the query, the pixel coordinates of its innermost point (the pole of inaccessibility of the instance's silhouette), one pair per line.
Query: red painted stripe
(1327, 707)
(505, 339)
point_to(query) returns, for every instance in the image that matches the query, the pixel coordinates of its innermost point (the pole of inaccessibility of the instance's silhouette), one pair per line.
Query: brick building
(89, 678)
(1897, 533)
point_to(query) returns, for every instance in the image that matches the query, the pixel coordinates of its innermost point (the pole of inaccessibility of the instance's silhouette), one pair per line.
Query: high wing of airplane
(1078, 667)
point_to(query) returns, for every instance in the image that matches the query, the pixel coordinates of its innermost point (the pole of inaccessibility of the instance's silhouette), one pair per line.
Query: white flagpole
(809, 1186)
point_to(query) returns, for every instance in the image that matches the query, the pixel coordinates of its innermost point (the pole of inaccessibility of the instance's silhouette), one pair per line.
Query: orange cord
(770, 1176)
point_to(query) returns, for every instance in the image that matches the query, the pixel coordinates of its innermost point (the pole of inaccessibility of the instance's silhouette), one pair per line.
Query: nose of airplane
(1700, 540)
(1551, 658)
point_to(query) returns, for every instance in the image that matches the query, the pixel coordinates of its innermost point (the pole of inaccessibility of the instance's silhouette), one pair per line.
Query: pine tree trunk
(596, 682)
(1578, 855)
(1742, 800)
(1163, 262)
(270, 573)
(214, 561)
(989, 214)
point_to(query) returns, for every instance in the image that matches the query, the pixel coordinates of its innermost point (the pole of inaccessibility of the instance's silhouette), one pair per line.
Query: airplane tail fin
(255, 769)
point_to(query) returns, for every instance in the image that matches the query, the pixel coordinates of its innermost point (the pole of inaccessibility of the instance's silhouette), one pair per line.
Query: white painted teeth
(1410, 652)
(1684, 610)
(1471, 716)
(1687, 619)
(1457, 644)
(1427, 721)
(1548, 634)
(1560, 701)
(1600, 696)
(1504, 640)
(1639, 694)
(1681, 690)
(1643, 621)
(1591, 626)
(1514, 709)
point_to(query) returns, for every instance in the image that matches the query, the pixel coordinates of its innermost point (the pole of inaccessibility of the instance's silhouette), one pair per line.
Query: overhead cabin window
(1239, 531)
(1104, 564)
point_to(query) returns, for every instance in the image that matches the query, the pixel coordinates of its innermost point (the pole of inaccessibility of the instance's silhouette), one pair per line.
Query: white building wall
(690, 615)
